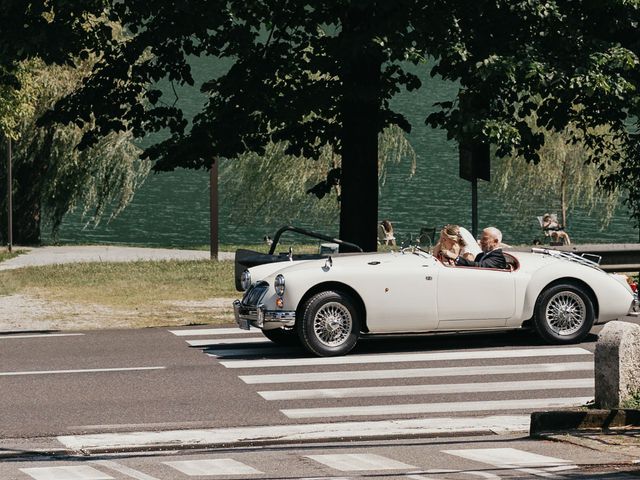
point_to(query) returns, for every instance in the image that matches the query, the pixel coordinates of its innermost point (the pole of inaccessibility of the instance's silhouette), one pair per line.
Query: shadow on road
(397, 343)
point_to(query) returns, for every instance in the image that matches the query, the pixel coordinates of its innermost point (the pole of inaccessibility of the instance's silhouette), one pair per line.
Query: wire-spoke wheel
(564, 314)
(330, 324)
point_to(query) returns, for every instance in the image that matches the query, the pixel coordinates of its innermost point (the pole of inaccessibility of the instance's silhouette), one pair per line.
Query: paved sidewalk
(108, 253)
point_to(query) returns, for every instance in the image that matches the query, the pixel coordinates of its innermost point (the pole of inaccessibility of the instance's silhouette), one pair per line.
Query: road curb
(20, 454)
(544, 423)
(259, 436)
(164, 447)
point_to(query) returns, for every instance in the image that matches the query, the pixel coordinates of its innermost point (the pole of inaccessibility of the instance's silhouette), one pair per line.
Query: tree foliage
(562, 180)
(51, 176)
(314, 75)
(283, 182)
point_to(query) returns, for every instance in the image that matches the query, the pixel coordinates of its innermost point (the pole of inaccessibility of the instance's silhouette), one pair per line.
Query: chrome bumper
(257, 316)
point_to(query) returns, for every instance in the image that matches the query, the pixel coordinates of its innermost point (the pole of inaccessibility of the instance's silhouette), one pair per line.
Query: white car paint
(413, 292)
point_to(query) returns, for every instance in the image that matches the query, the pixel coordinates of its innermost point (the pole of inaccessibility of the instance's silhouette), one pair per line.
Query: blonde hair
(452, 232)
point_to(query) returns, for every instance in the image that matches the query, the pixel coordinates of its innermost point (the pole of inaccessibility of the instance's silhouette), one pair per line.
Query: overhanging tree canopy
(316, 74)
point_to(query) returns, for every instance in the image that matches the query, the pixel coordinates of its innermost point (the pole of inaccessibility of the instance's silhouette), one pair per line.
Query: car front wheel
(564, 314)
(330, 324)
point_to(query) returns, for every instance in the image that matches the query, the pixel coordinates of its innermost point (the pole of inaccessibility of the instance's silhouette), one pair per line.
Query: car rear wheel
(330, 324)
(564, 314)
(282, 336)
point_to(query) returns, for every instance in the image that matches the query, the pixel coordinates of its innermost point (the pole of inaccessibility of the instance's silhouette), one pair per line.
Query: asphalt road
(168, 384)
(158, 379)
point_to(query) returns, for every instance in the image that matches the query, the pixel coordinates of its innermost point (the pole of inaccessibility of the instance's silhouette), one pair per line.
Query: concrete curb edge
(164, 447)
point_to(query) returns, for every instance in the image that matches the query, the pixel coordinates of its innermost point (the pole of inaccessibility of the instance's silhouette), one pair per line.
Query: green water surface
(172, 209)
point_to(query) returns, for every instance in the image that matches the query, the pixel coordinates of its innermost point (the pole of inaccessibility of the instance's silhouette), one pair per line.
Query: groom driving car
(491, 255)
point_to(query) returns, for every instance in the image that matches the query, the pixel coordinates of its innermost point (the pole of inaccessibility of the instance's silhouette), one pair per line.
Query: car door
(471, 297)
(401, 296)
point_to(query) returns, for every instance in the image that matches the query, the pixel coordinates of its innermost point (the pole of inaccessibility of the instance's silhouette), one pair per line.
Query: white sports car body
(327, 303)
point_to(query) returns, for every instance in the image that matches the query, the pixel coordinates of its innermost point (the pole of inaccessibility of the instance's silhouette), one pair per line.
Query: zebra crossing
(472, 382)
(492, 463)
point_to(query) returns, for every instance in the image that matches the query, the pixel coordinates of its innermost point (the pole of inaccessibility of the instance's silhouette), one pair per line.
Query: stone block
(617, 364)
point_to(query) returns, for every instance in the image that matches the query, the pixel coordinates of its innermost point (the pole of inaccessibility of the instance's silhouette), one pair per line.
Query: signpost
(213, 208)
(9, 197)
(474, 164)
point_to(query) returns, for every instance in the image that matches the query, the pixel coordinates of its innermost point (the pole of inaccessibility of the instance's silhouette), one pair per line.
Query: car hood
(342, 260)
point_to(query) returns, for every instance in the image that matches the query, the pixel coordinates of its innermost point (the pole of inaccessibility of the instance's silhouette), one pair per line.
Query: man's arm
(463, 262)
(494, 260)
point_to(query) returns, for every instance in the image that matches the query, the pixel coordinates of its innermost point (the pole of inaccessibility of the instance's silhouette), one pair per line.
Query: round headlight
(245, 280)
(278, 285)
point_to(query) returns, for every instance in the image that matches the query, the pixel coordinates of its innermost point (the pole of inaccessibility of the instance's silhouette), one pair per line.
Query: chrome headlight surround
(278, 285)
(245, 280)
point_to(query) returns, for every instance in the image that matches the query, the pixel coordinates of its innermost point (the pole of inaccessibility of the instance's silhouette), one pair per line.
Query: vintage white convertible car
(326, 302)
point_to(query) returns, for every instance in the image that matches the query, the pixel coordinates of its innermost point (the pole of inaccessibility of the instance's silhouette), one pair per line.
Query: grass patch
(633, 402)
(147, 293)
(6, 255)
(124, 284)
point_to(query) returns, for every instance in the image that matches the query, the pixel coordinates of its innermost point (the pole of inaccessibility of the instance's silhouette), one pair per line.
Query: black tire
(564, 314)
(330, 324)
(282, 336)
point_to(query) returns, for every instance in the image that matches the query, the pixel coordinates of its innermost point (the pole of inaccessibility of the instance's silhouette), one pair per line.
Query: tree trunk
(563, 192)
(360, 112)
(564, 204)
(26, 205)
(27, 190)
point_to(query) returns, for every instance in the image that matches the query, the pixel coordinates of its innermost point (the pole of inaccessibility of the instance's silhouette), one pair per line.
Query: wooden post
(9, 197)
(213, 208)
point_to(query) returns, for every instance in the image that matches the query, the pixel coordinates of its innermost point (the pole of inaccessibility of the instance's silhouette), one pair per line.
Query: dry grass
(132, 294)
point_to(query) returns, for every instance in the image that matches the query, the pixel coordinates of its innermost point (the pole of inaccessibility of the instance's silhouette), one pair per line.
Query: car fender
(610, 298)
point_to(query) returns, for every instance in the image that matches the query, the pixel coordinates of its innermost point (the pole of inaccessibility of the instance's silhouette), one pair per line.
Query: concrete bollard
(617, 364)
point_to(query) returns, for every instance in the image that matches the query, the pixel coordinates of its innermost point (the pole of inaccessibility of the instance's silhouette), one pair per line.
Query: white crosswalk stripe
(218, 466)
(74, 472)
(417, 373)
(350, 462)
(513, 458)
(401, 390)
(444, 407)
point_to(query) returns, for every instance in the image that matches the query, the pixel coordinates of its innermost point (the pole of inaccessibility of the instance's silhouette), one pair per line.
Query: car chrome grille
(255, 294)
